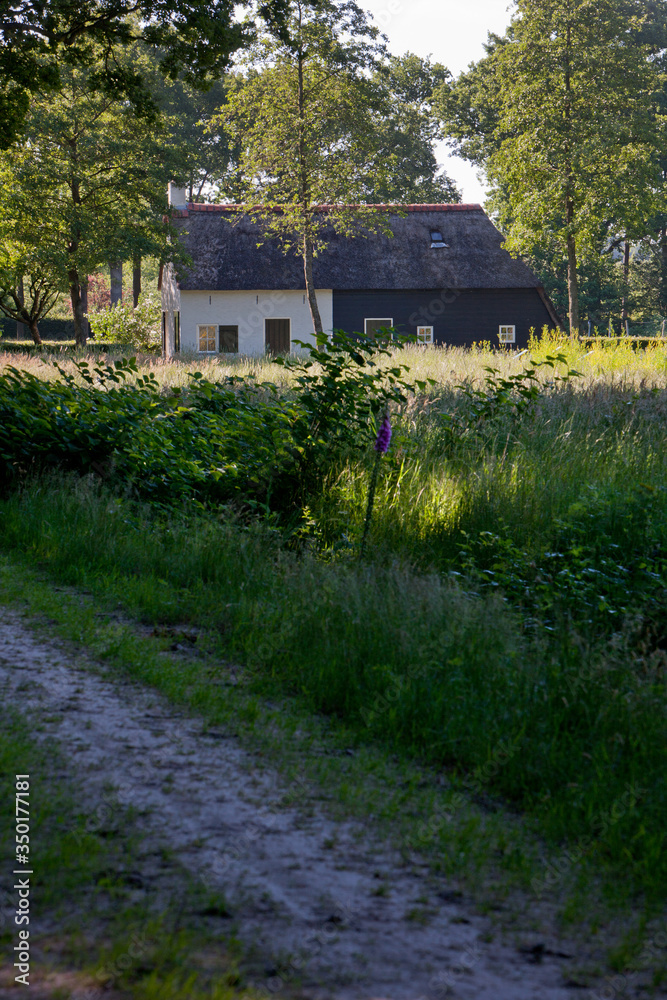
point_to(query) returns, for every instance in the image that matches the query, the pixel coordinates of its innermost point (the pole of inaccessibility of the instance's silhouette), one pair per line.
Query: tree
(302, 117)
(202, 158)
(322, 117)
(84, 186)
(38, 38)
(565, 126)
(469, 107)
(407, 129)
(27, 291)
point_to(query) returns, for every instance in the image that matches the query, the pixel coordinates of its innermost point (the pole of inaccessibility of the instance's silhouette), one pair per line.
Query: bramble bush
(211, 443)
(341, 390)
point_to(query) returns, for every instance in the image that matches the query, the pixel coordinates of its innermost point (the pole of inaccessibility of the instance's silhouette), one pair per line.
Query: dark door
(177, 332)
(229, 339)
(277, 335)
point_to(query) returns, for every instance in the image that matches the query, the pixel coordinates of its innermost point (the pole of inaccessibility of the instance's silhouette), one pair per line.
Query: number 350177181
(22, 817)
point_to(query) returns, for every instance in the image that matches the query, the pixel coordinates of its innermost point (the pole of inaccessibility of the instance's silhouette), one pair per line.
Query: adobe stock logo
(384, 17)
(436, 307)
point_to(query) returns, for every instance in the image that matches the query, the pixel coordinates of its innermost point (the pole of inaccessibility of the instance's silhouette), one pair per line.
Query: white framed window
(424, 334)
(372, 326)
(507, 334)
(207, 339)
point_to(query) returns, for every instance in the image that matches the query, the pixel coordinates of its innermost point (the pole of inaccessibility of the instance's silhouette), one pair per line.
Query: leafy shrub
(341, 391)
(214, 443)
(502, 396)
(122, 324)
(605, 561)
(160, 447)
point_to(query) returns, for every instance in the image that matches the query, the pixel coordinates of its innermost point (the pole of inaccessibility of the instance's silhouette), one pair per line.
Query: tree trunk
(572, 277)
(626, 281)
(310, 287)
(136, 281)
(662, 290)
(304, 198)
(77, 308)
(573, 286)
(85, 325)
(116, 274)
(20, 327)
(34, 330)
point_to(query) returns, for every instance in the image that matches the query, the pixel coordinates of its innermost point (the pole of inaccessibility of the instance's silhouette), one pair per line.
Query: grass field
(508, 619)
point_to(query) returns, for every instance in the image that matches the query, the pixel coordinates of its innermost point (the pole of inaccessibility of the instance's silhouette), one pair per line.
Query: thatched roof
(225, 254)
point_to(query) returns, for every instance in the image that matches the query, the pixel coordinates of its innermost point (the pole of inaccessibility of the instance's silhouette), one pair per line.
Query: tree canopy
(561, 113)
(84, 186)
(321, 115)
(196, 39)
(406, 129)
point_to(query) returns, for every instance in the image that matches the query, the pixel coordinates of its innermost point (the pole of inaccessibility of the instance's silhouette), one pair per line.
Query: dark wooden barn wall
(459, 317)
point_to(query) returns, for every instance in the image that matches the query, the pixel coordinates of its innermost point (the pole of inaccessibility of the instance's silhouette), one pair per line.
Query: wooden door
(277, 335)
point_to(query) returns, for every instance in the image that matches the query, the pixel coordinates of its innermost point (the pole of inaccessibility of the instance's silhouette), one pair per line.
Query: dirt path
(300, 884)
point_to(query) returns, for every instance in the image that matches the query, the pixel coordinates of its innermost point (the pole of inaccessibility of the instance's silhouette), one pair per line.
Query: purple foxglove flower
(384, 436)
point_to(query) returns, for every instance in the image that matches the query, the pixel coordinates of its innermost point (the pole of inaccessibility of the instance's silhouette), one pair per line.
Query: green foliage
(93, 175)
(38, 41)
(503, 397)
(341, 390)
(201, 157)
(518, 392)
(405, 168)
(606, 562)
(165, 448)
(123, 324)
(407, 659)
(571, 171)
(213, 443)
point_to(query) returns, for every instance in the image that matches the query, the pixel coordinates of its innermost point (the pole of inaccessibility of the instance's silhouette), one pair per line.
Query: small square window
(424, 334)
(207, 338)
(373, 326)
(229, 339)
(507, 334)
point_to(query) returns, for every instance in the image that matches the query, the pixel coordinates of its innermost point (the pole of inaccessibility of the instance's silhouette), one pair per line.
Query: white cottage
(200, 315)
(443, 276)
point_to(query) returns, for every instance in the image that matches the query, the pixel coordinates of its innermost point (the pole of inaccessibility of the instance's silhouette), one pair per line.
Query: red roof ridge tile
(444, 207)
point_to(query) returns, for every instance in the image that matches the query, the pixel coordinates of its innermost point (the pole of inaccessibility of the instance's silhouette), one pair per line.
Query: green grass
(573, 735)
(614, 361)
(509, 621)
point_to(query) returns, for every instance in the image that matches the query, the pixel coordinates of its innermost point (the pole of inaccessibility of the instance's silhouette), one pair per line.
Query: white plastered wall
(248, 310)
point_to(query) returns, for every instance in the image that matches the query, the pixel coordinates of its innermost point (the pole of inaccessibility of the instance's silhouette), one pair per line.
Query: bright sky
(452, 32)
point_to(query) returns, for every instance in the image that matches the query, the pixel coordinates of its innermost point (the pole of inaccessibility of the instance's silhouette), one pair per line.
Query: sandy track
(302, 887)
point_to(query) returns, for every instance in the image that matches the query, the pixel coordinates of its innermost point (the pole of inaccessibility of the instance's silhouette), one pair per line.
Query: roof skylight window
(437, 242)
